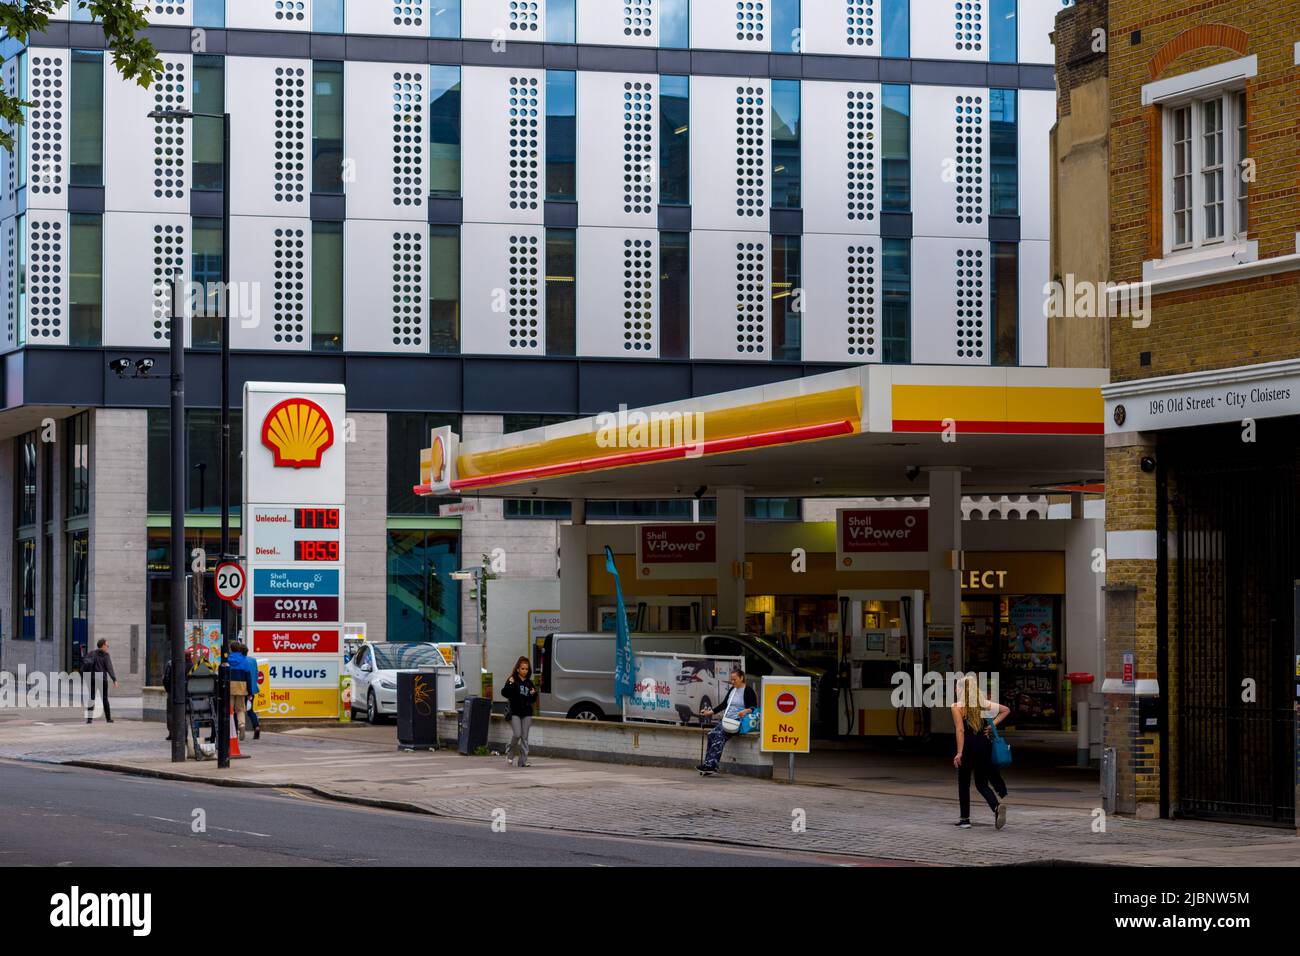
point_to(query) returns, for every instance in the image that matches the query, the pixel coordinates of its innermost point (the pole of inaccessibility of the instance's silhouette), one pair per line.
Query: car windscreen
(391, 657)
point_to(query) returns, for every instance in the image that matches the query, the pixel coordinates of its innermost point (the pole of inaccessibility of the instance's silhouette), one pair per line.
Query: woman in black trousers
(975, 752)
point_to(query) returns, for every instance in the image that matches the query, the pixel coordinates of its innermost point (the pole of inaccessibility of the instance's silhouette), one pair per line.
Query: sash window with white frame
(1204, 186)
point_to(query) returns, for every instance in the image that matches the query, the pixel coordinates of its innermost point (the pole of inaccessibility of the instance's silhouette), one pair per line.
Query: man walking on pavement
(100, 663)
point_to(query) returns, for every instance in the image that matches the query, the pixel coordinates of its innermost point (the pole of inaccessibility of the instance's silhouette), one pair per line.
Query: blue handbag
(1001, 749)
(749, 723)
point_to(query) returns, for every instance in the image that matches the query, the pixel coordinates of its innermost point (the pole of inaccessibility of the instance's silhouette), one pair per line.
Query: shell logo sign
(439, 464)
(298, 432)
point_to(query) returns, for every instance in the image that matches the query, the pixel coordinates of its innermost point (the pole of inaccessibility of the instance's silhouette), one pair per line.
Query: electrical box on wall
(1149, 715)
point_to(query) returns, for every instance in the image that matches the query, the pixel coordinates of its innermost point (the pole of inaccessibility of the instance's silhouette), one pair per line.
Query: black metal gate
(1235, 511)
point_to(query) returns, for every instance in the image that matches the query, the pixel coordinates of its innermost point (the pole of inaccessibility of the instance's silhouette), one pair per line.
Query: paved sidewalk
(361, 764)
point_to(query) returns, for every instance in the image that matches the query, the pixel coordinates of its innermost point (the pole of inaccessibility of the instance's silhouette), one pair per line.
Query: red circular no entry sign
(786, 702)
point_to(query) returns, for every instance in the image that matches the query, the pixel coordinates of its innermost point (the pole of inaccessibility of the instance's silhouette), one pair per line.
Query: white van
(577, 670)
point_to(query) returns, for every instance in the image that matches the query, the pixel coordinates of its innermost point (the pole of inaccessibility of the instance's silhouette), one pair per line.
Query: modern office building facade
(489, 213)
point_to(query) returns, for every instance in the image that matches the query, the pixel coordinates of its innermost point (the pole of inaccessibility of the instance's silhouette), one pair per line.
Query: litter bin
(1078, 685)
(417, 710)
(475, 720)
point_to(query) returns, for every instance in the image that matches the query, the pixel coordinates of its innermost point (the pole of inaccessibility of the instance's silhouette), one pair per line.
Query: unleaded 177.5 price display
(290, 535)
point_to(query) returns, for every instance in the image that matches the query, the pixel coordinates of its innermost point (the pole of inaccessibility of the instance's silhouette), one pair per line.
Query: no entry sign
(786, 725)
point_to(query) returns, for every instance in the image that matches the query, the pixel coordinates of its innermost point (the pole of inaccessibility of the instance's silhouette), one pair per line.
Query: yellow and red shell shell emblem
(438, 467)
(298, 432)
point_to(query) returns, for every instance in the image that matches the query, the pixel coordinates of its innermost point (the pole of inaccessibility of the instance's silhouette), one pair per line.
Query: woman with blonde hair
(971, 718)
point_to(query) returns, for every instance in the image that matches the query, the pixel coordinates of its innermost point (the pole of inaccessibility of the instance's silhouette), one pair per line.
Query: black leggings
(977, 761)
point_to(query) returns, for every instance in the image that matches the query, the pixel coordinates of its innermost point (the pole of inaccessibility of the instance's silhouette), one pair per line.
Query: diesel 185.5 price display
(316, 551)
(316, 519)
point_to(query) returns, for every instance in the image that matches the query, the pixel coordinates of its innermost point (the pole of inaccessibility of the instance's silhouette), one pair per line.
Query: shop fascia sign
(1271, 390)
(983, 580)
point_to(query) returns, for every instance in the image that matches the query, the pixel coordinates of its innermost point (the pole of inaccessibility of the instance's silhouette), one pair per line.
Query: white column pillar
(573, 569)
(731, 548)
(945, 541)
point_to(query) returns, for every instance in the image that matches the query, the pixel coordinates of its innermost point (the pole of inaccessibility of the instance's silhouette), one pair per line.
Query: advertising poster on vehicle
(676, 687)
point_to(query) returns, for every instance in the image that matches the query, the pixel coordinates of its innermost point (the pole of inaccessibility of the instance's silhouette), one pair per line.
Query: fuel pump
(878, 639)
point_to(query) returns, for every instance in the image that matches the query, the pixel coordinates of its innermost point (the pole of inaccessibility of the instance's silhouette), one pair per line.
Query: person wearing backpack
(739, 703)
(975, 743)
(99, 663)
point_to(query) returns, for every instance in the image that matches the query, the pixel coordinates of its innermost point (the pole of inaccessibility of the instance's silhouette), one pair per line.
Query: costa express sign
(298, 432)
(877, 530)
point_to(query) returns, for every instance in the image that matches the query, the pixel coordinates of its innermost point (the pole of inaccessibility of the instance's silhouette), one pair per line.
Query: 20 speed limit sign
(231, 581)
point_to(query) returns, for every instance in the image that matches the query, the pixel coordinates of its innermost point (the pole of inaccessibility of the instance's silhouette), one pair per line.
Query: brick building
(1203, 413)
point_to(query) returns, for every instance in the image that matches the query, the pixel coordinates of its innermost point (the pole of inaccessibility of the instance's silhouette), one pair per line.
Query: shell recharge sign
(294, 497)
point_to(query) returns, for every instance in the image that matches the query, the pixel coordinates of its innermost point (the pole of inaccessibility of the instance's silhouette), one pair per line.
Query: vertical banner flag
(624, 667)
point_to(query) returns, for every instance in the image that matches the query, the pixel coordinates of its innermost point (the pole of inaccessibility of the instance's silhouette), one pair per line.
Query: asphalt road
(68, 816)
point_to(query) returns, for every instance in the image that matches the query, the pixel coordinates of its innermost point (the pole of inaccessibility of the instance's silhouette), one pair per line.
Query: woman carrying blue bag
(981, 751)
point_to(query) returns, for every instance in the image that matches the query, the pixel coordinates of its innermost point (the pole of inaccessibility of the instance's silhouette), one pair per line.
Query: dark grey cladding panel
(447, 52)
(329, 208)
(1003, 75)
(170, 39)
(606, 385)
(329, 46)
(272, 43)
(719, 63)
(69, 376)
(845, 68)
(785, 66)
(713, 377)
(205, 202)
(480, 53)
(446, 212)
(1037, 77)
(618, 59)
(896, 225)
(560, 56)
(59, 34)
(1004, 228)
(561, 215)
(675, 218)
(86, 199)
(895, 71)
(948, 73)
(388, 49)
(404, 383)
(537, 386)
(675, 62)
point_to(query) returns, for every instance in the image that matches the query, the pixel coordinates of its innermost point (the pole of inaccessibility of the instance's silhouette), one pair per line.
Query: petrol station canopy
(869, 430)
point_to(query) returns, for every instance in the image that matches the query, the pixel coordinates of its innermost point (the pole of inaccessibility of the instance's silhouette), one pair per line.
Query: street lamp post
(223, 670)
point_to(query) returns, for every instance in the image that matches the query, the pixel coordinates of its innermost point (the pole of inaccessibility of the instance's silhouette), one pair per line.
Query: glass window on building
(326, 286)
(561, 291)
(77, 595)
(423, 598)
(786, 168)
(20, 300)
(561, 135)
(203, 461)
(86, 149)
(674, 295)
(209, 139)
(25, 533)
(675, 140)
(20, 134)
(327, 16)
(444, 290)
(896, 147)
(86, 280)
(895, 33)
(205, 330)
(522, 423)
(787, 298)
(1004, 185)
(25, 588)
(444, 20)
(1005, 304)
(444, 127)
(1002, 31)
(327, 127)
(538, 508)
(675, 24)
(758, 509)
(408, 435)
(785, 27)
(212, 13)
(561, 21)
(896, 302)
(76, 451)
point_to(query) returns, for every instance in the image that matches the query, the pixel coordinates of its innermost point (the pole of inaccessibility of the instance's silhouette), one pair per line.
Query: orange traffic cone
(234, 737)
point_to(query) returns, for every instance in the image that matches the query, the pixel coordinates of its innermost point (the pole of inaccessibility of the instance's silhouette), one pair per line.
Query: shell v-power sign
(294, 492)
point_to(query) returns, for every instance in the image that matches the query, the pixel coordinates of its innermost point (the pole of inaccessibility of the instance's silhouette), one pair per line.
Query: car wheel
(372, 708)
(586, 712)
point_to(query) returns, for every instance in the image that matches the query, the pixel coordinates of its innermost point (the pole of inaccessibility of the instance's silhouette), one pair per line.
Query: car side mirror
(367, 667)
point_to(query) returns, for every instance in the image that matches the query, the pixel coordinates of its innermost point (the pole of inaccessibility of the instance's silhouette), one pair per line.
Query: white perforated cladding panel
(142, 251)
(386, 285)
(409, 104)
(271, 133)
(48, 85)
(730, 295)
(503, 303)
(950, 181)
(618, 22)
(618, 110)
(508, 21)
(731, 25)
(274, 14)
(730, 154)
(504, 147)
(388, 145)
(950, 308)
(841, 301)
(950, 29)
(618, 292)
(47, 277)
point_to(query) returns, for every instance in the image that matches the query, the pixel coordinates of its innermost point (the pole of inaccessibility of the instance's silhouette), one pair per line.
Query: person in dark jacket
(739, 702)
(99, 663)
(520, 692)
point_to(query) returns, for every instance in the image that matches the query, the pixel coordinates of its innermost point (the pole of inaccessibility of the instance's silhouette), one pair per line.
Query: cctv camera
(144, 366)
(912, 472)
(1148, 464)
(699, 492)
(120, 366)
(817, 480)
